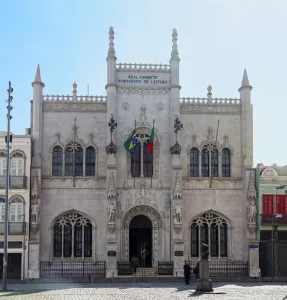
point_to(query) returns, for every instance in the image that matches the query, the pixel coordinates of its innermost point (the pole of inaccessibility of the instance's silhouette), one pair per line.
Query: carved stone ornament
(125, 106)
(35, 193)
(251, 193)
(252, 212)
(143, 117)
(210, 133)
(177, 227)
(175, 149)
(112, 193)
(160, 106)
(111, 148)
(35, 215)
(177, 193)
(178, 215)
(142, 189)
(112, 212)
(111, 227)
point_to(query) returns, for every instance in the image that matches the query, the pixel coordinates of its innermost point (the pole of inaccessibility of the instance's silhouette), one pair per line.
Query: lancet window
(226, 162)
(72, 236)
(209, 229)
(141, 159)
(73, 162)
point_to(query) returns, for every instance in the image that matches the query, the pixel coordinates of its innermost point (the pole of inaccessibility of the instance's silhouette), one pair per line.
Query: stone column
(204, 283)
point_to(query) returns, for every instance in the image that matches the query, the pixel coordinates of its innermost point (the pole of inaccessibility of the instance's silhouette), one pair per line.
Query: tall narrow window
(214, 163)
(69, 161)
(16, 210)
(212, 231)
(17, 164)
(2, 163)
(72, 236)
(205, 163)
(136, 161)
(281, 204)
(226, 162)
(147, 162)
(194, 162)
(79, 161)
(57, 161)
(267, 204)
(90, 161)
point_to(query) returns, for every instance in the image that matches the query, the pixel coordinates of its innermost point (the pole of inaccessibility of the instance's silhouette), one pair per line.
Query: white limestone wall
(88, 196)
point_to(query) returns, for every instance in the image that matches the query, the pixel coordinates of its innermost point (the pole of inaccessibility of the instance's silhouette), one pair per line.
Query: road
(142, 291)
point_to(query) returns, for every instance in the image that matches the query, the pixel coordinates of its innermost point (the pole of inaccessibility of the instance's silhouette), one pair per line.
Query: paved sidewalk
(142, 291)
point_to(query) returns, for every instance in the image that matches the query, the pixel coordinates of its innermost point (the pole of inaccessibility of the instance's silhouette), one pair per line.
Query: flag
(150, 141)
(131, 142)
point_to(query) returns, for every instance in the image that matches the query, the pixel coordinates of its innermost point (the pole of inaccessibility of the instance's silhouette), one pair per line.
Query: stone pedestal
(112, 270)
(178, 258)
(33, 271)
(254, 270)
(204, 284)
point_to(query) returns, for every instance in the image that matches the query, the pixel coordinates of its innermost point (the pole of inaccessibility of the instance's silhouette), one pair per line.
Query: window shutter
(19, 212)
(14, 167)
(267, 204)
(12, 212)
(20, 167)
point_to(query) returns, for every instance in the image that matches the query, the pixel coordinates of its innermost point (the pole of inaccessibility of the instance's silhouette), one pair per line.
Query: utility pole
(8, 140)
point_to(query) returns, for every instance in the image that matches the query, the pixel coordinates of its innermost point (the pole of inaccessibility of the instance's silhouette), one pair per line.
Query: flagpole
(151, 160)
(135, 159)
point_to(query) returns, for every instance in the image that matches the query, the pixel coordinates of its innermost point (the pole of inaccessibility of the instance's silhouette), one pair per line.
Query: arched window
(211, 230)
(90, 161)
(226, 163)
(72, 236)
(209, 161)
(16, 210)
(136, 165)
(17, 164)
(194, 162)
(2, 163)
(57, 161)
(2, 209)
(74, 160)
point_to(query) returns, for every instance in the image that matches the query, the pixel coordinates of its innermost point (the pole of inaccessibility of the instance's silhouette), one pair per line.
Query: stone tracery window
(194, 162)
(226, 163)
(141, 160)
(90, 161)
(74, 160)
(212, 230)
(72, 236)
(209, 161)
(57, 161)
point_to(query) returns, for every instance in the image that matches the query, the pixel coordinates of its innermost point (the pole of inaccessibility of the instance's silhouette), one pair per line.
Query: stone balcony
(16, 182)
(14, 228)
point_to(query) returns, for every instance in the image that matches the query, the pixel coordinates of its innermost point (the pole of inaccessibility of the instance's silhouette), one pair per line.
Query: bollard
(155, 275)
(134, 277)
(89, 278)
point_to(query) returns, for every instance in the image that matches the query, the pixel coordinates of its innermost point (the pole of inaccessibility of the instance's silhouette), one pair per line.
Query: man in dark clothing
(196, 271)
(187, 271)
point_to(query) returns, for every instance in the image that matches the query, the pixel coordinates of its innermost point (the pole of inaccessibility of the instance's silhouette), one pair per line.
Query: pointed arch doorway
(140, 233)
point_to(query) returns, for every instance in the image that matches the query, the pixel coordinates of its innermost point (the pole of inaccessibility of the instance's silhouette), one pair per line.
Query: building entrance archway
(140, 241)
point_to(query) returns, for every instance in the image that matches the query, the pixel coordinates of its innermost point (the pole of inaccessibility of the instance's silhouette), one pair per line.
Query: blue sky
(217, 40)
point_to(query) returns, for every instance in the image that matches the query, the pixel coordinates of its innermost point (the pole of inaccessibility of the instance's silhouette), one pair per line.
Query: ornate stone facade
(200, 150)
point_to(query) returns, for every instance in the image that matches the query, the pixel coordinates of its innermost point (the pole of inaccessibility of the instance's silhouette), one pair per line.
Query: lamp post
(8, 140)
(272, 242)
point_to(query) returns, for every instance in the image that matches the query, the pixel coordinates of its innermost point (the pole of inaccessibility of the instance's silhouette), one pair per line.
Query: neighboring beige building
(98, 202)
(19, 203)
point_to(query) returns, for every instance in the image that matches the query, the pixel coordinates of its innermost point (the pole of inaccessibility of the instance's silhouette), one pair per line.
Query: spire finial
(209, 89)
(38, 77)
(245, 81)
(111, 51)
(174, 52)
(75, 90)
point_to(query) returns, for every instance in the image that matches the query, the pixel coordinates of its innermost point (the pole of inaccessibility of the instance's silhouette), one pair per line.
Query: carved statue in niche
(35, 211)
(252, 212)
(178, 214)
(112, 212)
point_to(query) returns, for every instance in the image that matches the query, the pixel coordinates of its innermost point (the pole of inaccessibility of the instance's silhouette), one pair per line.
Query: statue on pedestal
(252, 212)
(204, 252)
(112, 213)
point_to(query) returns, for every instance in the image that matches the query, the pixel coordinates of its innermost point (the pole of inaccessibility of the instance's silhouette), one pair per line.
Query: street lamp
(272, 241)
(8, 140)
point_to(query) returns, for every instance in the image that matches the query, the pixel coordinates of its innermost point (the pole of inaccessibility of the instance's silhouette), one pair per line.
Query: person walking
(187, 271)
(134, 264)
(196, 271)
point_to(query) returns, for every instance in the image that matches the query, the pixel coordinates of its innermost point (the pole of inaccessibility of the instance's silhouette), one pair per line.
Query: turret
(246, 121)
(111, 79)
(37, 115)
(174, 85)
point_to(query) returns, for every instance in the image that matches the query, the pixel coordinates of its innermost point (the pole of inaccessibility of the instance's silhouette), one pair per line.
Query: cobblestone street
(141, 291)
